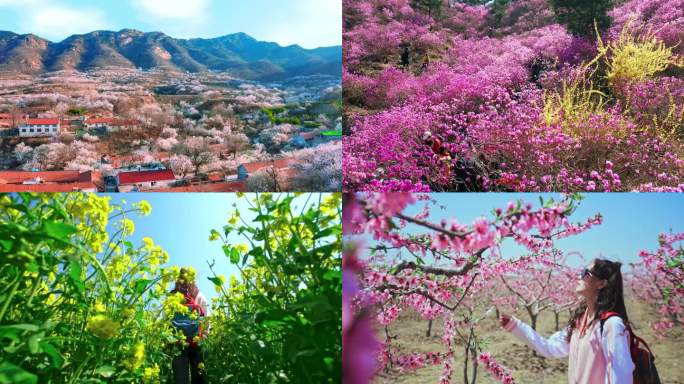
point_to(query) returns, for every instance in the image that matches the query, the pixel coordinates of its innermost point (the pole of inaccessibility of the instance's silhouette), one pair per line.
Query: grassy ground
(512, 353)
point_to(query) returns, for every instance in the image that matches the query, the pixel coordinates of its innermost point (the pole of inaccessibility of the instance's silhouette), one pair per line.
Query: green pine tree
(432, 7)
(580, 15)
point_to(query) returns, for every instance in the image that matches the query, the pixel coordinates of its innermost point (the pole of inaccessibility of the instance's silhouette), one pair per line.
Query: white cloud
(174, 9)
(54, 21)
(318, 23)
(58, 22)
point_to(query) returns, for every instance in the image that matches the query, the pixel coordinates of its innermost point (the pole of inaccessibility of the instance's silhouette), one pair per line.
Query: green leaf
(6, 244)
(234, 256)
(325, 233)
(304, 353)
(216, 281)
(11, 374)
(105, 371)
(33, 343)
(141, 285)
(272, 323)
(59, 231)
(23, 327)
(75, 276)
(332, 275)
(50, 350)
(265, 218)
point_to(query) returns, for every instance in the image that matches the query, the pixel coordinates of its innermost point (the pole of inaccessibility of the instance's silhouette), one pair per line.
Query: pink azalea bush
(484, 94)
(664, 18)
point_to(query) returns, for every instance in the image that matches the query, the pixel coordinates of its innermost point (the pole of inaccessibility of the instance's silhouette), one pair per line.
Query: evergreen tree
(579, 15)
(432, 7)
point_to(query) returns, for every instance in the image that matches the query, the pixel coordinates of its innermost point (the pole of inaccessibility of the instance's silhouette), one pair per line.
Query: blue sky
(632, 221)
(309, 23)
(180, 223)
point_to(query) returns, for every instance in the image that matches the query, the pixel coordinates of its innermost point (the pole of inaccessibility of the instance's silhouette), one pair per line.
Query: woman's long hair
(185, 287)
(610, 298)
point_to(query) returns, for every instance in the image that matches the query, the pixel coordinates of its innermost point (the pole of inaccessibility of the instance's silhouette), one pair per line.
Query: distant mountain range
(238, 54)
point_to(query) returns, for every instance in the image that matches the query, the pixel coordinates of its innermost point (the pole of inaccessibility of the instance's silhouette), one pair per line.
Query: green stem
(13, 291)
(33, 291)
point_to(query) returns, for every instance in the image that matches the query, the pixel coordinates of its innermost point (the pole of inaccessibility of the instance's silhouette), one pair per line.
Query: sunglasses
(586, 272)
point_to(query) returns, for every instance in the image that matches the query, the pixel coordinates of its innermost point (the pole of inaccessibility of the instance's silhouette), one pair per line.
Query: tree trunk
(429, 330)
(465, 362)
(533, 317)
(475, 365)
(533, 324)
(557, 316)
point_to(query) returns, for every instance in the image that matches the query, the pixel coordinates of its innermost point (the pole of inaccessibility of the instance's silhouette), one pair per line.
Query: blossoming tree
(439, 267)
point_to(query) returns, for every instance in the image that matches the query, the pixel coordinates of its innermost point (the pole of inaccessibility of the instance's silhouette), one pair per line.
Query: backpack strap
(193, 305)
(607, 315)
(634, 340)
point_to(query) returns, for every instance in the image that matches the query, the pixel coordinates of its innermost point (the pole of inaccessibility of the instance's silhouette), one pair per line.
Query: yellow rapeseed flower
(233, 219)
(151, 374)
(242, 248)
(144, 207)
(137, 358)
(127, 226)
(103, 327)
(99, 307)
(214, 236)
(174, 303)
(147, 242)
(189, 274)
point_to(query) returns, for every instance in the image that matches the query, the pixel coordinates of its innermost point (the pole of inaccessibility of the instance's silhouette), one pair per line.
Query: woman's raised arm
(555, 347)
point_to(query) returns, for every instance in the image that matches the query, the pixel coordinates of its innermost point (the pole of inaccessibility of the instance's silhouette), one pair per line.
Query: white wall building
(39, 128)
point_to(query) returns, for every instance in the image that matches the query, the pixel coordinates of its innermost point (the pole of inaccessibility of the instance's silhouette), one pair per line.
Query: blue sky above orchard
(308, 23)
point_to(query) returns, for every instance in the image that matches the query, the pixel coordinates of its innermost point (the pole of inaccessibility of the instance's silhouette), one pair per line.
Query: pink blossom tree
(439, 270)
(658, 279)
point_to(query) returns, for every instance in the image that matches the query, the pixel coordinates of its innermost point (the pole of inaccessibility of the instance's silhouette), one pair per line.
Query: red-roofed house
(244, 170)
(144, 180)
(48, 181)
(234, 186)
(39, 128)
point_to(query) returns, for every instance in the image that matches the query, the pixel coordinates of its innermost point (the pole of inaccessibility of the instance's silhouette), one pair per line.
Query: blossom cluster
(493, 367)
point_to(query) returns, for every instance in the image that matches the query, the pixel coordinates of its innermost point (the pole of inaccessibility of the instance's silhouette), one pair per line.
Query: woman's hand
(504, 320)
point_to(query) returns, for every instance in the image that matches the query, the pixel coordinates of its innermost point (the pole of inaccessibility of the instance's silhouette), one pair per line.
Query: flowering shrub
(633, 57)
(525, 109)
(664, 18)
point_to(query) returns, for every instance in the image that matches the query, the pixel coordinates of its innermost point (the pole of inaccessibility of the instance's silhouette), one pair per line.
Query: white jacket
(614, 346)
